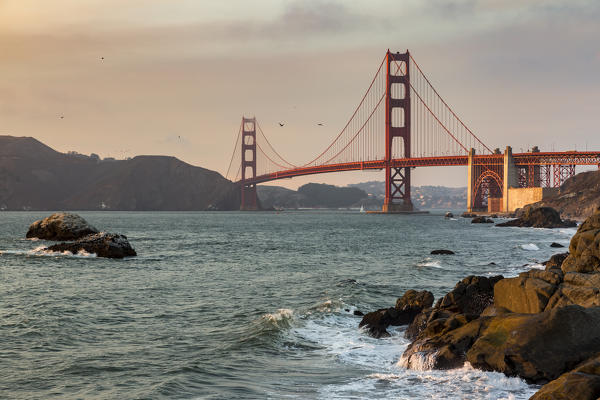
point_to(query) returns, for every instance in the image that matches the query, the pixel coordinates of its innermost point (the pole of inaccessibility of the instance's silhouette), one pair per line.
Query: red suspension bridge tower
(249, 199)
(397, 179)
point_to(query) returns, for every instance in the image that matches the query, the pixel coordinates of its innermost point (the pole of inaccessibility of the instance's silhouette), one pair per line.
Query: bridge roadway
(521, 159)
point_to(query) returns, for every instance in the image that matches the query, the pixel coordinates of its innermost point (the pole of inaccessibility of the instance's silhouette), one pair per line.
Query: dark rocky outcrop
(582, 383)
(481, 220)
(555, 262)
(471, 296)
(60, 226)
(442, 251)
(103, 244)
(539, 217)
(556, 245)
(449, 215)
(468, 215)
(538, 347)
(407, 307)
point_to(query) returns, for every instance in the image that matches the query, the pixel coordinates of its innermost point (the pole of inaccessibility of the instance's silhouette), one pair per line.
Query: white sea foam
(428, 262)
(42, 251)
(537, 266)
(336, 334)
(568, 231)
(280, 314)
(530, 247)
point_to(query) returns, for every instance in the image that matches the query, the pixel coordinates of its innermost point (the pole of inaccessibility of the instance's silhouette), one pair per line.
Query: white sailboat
(362, 208)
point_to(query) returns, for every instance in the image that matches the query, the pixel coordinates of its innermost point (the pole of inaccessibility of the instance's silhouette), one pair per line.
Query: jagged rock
(60, 226)
(449, 215)
(481, 220)
(584, 250)
(470, 296)
(556, 245)
(494, 216)
(539, 217)
(538, 347)
(358, 313)
(103, 244)
(442, 251)
(582, 383)
(407, 307)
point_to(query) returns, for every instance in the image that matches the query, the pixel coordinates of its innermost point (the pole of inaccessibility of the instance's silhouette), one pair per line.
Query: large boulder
(538, 347)
(584, 250)
(582, 383)
(60, 226)
(528, 293)
(103, 244)
(407, 307)
(555, 262)
(539, 217)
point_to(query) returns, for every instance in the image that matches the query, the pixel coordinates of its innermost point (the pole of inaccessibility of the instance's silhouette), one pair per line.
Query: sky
(177, 75)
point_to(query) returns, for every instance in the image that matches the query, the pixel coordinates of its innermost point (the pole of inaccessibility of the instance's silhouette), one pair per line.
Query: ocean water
(242, 305)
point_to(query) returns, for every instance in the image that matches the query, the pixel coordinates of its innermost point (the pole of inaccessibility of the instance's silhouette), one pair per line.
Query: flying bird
(280, 124)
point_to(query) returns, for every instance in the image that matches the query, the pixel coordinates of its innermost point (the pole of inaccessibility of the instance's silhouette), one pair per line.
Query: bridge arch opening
(487, 192)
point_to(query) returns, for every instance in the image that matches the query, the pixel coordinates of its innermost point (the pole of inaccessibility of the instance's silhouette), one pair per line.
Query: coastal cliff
(577, 198)
(33, 176)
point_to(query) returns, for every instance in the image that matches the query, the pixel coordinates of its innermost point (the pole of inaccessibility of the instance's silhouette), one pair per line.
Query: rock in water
(554, 244)
(540, 217)
(449, 215)
(103, 244)
(407, 307)
(442, 251)
(60, 226)
(481, 220)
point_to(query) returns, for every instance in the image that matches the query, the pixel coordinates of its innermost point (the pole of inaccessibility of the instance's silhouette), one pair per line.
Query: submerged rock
(442, 251)
(539, 217)
(481, 220)
(449, 215)
(60, 226)
(103, 244)
(556, 245)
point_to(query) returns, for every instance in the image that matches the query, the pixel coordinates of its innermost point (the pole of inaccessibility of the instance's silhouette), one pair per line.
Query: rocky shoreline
(542, 326)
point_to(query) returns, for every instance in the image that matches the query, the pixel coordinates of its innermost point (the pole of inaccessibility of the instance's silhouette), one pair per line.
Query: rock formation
(60, 226)
(539, 217)
(103, 244)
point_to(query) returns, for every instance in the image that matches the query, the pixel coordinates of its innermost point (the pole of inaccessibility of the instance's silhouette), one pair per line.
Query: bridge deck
(521, 159)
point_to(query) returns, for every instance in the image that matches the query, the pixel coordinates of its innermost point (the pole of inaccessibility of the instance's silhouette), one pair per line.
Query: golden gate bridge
(402, 123)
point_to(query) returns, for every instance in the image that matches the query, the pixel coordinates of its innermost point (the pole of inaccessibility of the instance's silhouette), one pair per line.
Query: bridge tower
(397, 180)
(249, 201)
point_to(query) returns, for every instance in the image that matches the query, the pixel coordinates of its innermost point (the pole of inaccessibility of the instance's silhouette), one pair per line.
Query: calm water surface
(241, 305)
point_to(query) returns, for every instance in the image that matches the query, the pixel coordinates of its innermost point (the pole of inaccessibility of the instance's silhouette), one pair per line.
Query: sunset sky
(519, 73)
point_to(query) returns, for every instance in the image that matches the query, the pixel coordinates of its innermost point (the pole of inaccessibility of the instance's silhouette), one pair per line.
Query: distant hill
(578, 197)
(368, 194)
(423, 197)
(33, 176)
